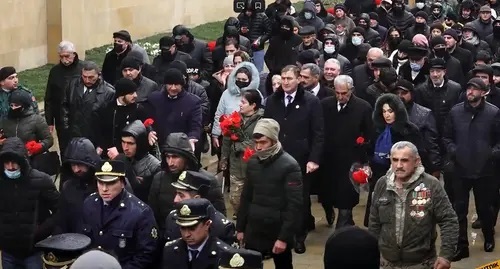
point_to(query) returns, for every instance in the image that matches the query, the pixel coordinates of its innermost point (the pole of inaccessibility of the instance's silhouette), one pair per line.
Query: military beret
(109, 171)
(240, 258)
(190, 212)
(6, 72)
(63, 249)
(191, 180)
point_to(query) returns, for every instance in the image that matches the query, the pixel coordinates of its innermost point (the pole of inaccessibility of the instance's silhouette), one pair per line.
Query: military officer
(60, 251)
(117, 221)
(241, 258)
(9, 82)
(191, 185)
(196, 249)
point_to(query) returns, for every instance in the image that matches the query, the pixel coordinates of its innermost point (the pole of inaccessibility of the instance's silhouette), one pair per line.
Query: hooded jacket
(75, 189)
(143, 164)
(230, 99)
(162, 193)
(315, 21)
(259, 25)
(232, 23)
(28, 203)
(282, 50)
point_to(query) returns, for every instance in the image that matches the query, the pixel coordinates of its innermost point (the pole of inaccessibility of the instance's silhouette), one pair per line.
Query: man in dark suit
(310, 75)
(348, 125)
(197, 249)
(299, 114)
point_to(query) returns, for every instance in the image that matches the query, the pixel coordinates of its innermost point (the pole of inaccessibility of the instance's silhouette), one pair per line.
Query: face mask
(420, 5)
(308, 15)
(166, 55)
(419, 25)
(13, 174)
(329, 49)
(436, 14)
(394, 42)
(356, 40)
(398, 10)
(285, 33)
(415, 67)
(15, 113)
(117, 47)
(242, 84)
(440, 52)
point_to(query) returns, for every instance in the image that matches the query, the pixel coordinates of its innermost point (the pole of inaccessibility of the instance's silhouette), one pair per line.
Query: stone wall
(31, 29)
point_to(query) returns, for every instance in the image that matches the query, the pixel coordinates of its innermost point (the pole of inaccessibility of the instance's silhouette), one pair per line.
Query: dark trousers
(449, 178)
(307, 217)
(484, 194)
(344, 219)
(282, 260)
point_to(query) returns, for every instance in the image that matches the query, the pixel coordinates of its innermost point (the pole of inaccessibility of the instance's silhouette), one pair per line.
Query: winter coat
(483, 29)
(259, 26)
(271, 202)
(5, 105)
(28, 204)
(315, 21)
(161, 65)
(28, 127)
(111, 67)
(230, 99)
(401, 22)
(282, 51)
(145, 87)
(471, 136)
(75, 189)
(199, 51)
(233, 150)
(59, 78)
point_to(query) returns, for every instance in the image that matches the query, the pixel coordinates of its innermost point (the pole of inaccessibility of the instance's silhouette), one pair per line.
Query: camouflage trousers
(235, 189)
(429, 264)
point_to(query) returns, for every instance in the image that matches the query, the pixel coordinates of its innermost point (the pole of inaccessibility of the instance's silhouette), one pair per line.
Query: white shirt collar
(315, 90)
(291, 94)
(118, 103)
(439, 86)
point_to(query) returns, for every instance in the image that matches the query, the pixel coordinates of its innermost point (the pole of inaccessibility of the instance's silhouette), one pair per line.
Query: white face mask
(420, 5)
(329, 49)
(356, 40)
(308, 15)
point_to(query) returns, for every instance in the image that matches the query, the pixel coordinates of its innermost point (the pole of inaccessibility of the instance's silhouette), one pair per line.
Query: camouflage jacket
(405, 223)
(4, 101)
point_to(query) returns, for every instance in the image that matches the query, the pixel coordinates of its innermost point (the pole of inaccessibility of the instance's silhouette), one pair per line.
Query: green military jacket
(4, 101)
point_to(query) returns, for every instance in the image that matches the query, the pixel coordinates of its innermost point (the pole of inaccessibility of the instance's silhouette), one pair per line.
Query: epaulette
(94, 193)
(172, 212)
(169, 243)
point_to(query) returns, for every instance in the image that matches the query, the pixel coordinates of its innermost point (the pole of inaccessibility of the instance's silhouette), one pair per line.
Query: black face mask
(117, 47)
(398, 10)
(436, 14)
(420, 25)
(15, 113)
(284, 33)
(394, 42)
(242, 84)
(440, 52)
(166, 55)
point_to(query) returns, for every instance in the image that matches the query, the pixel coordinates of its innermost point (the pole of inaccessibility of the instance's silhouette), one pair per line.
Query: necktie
(194, 254)
(289, 100)
(341, 107)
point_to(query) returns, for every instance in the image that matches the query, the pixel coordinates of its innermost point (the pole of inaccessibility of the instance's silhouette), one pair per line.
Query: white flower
(108, 49)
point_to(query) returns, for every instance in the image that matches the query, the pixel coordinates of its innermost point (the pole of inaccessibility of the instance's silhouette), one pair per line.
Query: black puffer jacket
(401, 21)
(258, 25)
(282, 50)
(28, 203)
(76, 188)
(232, 24)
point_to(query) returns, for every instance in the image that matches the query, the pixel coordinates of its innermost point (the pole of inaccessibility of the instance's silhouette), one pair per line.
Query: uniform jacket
(75, 189)
(221, 228)
(130, 231)
(59, 77)
(28, 205)
(301, 124)
(175, 255)
(78, 109)
(5, 105)
(407, 237)
(30, 126)
(471, 136)
(271, 201)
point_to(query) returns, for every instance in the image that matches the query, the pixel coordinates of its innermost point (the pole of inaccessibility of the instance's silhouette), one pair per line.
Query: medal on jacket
(122, 242)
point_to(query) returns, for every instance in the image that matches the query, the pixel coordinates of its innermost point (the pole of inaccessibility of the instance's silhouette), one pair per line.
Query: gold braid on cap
(51, 260)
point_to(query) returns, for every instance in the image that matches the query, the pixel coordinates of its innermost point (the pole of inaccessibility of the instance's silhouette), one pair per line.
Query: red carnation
(247, 154)
(236, 119)
(331, 10)
(360, 140)
(33, 147)
(360, 177)
(234, 137)
(222, 118)
(211, 45)
(148, 122)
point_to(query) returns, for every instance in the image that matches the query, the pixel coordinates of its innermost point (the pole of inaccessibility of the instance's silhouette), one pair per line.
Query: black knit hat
(405, 45)
(166, 42)
(124, 35)
(306, 57)
(451, 32)
(179, 65)
(124, 86)
(193, 66)
(437, 40)
(422, 14)
(6, 72)
(344, 244)
(358, 29)
(436, 25)
(174, 76)
(130, 62)
(20, 97)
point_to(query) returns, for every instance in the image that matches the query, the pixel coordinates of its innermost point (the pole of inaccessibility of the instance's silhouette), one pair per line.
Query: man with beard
(471, 136)
(77, 173)
(372, 37)
(141, 165)
(68, 68)
(399, 17)
(83, 98)
(423, 118)
(438, 47)
(331, 70)
(341, 149)
(197, 49)
(464, 56)
(110, 120)
(420, 26)
(168, 54)
(131, 69)
(178, 156)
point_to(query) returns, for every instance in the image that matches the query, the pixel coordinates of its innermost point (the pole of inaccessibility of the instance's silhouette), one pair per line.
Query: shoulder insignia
(236, 261)
(235, 245)
(93, 194)
(169, 243)
(225, 221)
(173, 211)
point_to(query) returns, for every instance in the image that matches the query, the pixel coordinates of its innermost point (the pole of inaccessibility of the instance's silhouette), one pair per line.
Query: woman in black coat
(390, 120)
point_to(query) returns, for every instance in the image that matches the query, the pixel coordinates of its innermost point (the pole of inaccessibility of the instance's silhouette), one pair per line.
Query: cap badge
(182, 176)
(51, 257)
(236, 261)
(106, 167)
(154, 233)
(185, 211)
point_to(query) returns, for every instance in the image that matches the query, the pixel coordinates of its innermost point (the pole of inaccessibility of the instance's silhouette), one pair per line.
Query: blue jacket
(180, 115)
(129, 231)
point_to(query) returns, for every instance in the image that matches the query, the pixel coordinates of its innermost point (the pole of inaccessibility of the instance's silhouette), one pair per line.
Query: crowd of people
(406, 96)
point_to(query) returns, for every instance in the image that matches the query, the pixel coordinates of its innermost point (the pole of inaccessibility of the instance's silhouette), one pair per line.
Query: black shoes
(476, 224)
(461, 253)
(300, 247)
(330, 217)
(489, 246)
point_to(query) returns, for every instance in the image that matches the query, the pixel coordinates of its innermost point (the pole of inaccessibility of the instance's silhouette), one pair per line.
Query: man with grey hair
(309, 80)
(407, 205)
(68, 68)
(346, 118)
(82, 98)
(363, 74)
(331, 70)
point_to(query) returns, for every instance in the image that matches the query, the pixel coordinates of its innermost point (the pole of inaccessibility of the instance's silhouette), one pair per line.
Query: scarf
(267, 153)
